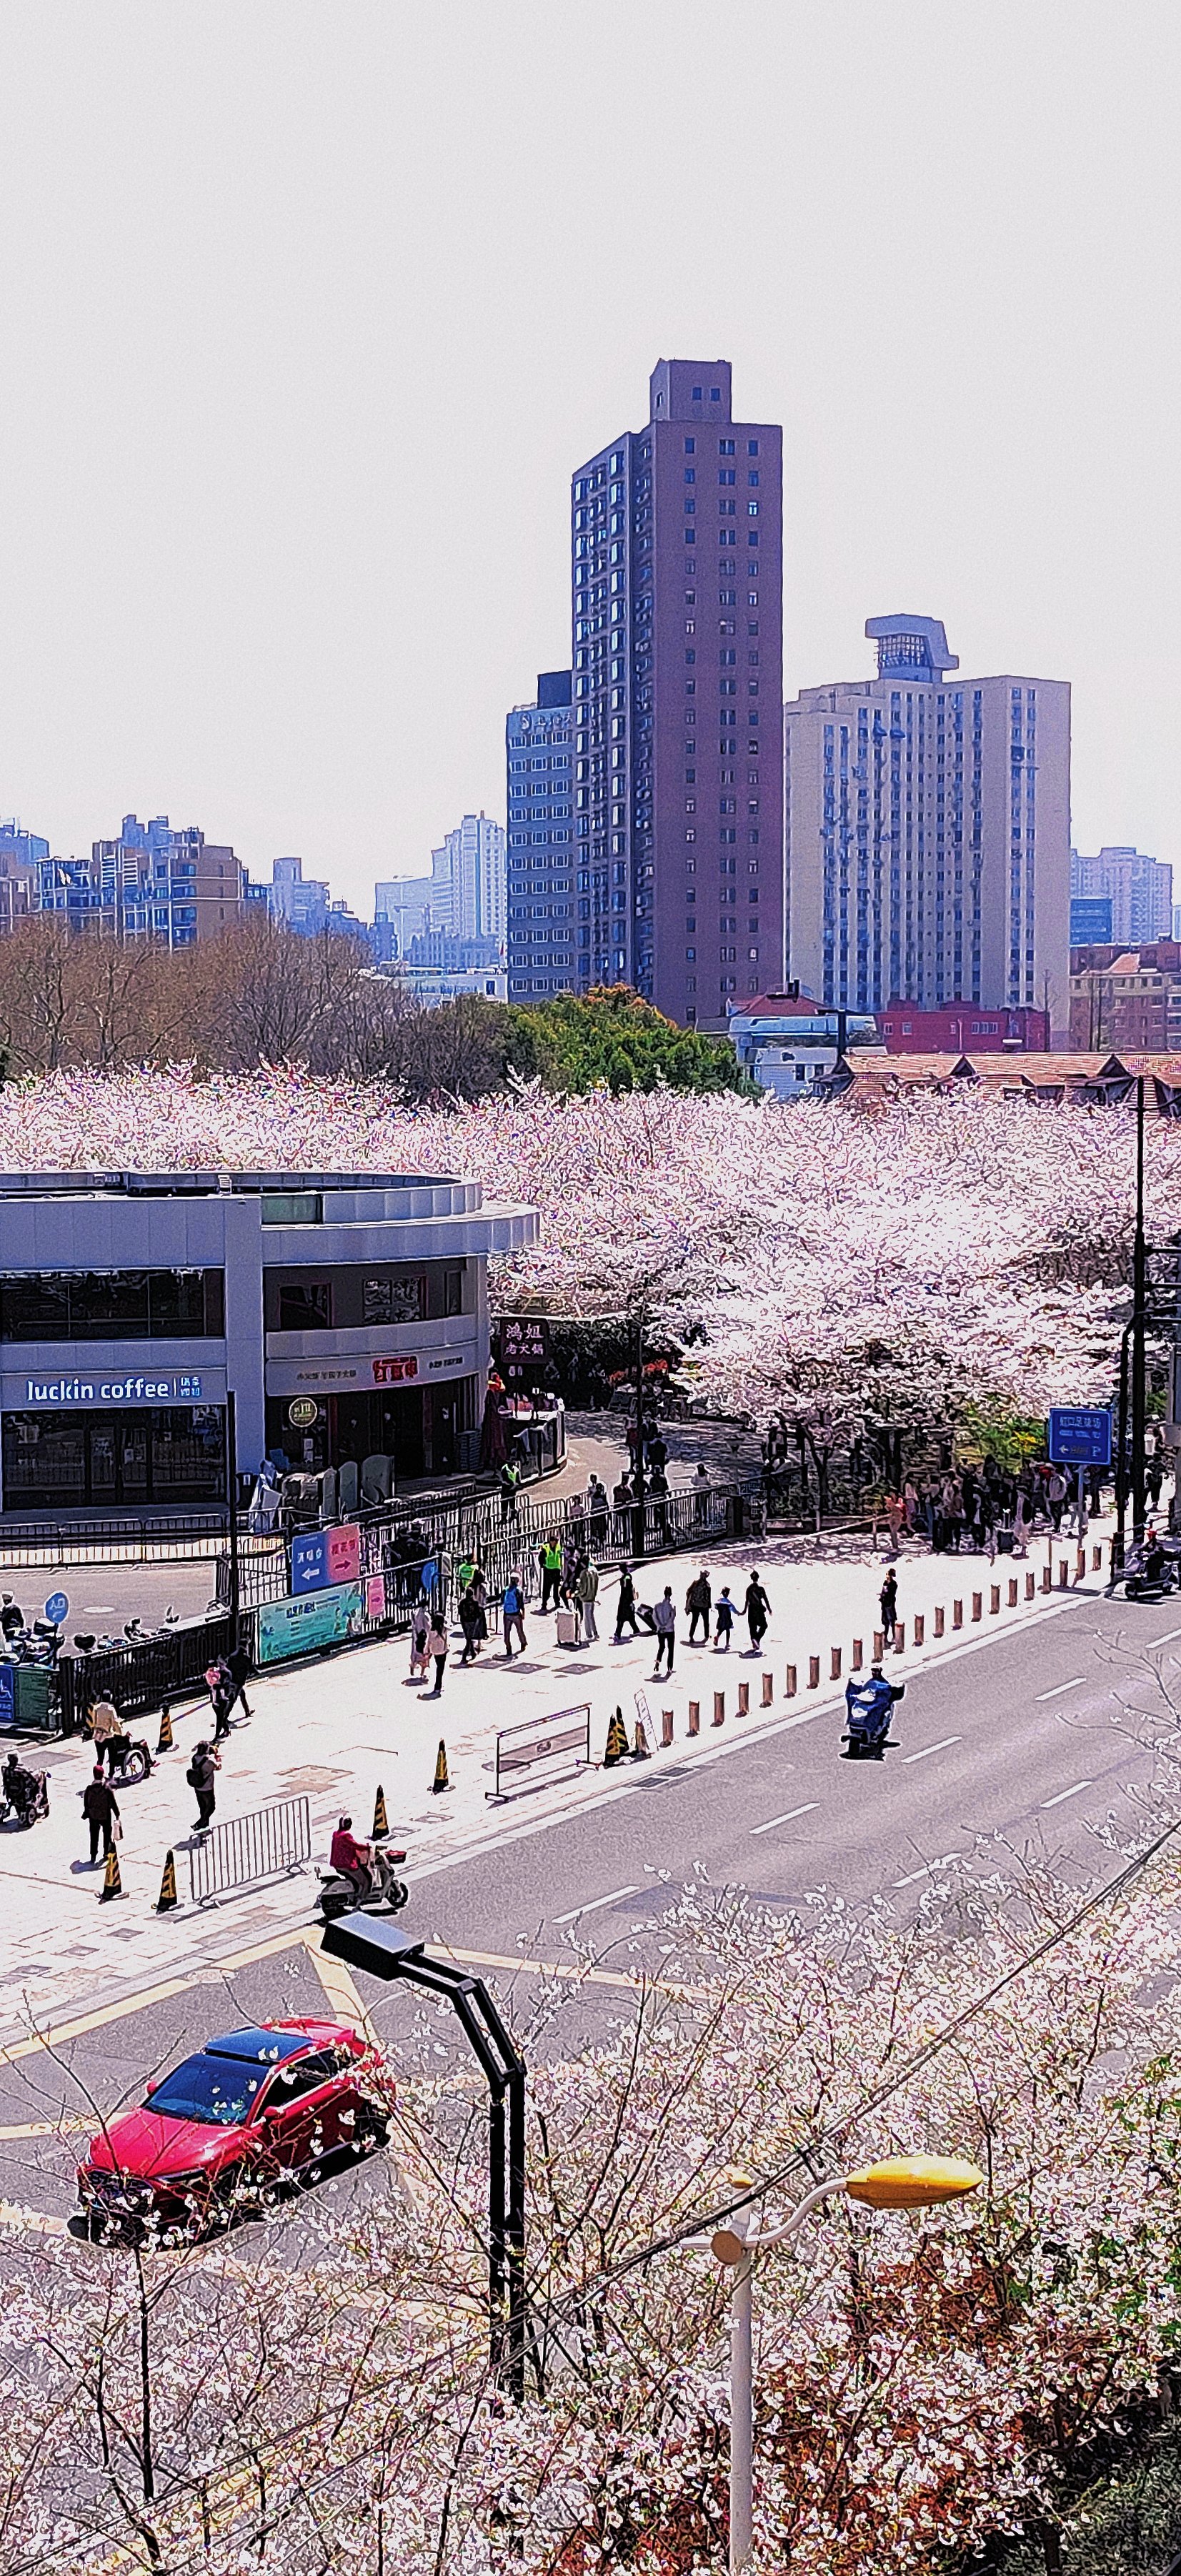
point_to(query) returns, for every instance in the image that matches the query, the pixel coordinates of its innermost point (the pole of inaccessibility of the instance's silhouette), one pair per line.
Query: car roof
(258, 2047)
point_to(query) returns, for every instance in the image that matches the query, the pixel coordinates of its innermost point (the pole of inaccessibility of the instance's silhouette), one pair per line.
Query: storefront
(348, 1312)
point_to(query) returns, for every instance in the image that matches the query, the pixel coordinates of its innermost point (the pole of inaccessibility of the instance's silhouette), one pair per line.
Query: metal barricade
(540, 1749)
(262, 1845)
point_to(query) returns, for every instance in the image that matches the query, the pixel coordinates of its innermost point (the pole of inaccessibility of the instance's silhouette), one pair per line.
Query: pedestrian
(699, 1601)
(1056, 1497)
(221, 1691)
(479, 1592)
(106, 1727)
(725, 1612)
(895, 1516)
(469, 1620)
(700, 1490)
(513, 1612)
(586, 1593)
(200, 1776)
(420, 1624)
(550, 1554)
(597, 1505)
(888, 1600)
(437, 1646)
(510, 1478)
(758, 1612)
(910, 1502)
(665, 1616)
(101, 1812)
(239, 1667)
(1022, 1522)
(625, 1608)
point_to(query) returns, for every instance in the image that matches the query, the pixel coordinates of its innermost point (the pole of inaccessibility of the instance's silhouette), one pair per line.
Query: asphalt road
(1025, 1741)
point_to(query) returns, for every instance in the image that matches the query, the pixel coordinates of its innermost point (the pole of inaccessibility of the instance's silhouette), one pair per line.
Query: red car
(230, 2124)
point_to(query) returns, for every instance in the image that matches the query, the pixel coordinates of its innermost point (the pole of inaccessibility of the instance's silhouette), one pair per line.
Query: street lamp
(897, 2182)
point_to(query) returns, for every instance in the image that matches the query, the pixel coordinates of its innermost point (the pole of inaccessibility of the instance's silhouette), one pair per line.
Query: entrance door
(133, 1458)
(102, 1485)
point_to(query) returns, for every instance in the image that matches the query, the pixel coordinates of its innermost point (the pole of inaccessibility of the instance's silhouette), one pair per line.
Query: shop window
(305, 1305)
(394, 1301)
(112, 1305)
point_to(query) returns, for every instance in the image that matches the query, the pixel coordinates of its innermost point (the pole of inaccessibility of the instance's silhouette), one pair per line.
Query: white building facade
(1139, 890)
(469, 872)
(927, 833)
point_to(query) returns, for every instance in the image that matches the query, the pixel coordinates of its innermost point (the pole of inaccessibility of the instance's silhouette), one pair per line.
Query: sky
(309, 307)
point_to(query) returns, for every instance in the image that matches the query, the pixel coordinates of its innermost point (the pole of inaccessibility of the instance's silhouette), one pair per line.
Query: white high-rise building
(468, 895)
(1139, 890)
(927, 829)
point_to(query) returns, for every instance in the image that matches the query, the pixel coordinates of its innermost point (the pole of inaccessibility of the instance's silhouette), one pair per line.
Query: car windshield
(220, 2090)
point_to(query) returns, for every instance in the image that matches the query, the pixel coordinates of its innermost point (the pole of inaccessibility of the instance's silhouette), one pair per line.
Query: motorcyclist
(17, 1786)
(352, 1859)
(869, 1706)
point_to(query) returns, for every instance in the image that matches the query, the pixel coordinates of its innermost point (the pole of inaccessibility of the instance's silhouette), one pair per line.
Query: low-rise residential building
(970, 1026)
(788, 1040)
(1127, 997)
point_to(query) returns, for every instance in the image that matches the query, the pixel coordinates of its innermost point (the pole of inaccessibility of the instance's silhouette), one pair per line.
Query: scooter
(24, 1795)
(871, 1707)
(388, 1893)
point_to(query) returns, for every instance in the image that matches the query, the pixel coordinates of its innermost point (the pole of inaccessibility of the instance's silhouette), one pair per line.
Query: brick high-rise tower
(677, 562)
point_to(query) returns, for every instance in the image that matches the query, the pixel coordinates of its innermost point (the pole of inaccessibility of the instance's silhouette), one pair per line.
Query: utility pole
(232, 1510)
(1139, 1281)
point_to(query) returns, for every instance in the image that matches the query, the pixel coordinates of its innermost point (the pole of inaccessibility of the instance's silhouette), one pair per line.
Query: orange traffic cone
(381, 1822)
(442, 1777)
(112, 1883)
(165, 1744)
(617, 1744)
(167, 1897)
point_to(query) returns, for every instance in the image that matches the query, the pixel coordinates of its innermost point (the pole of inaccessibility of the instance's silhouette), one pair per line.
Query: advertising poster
(375, 1597)
(309, 1561)
(300, 1627)
(344, 1553)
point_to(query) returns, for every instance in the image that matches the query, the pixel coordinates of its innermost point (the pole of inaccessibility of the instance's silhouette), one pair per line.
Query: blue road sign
(309, 1561)
(1080, 1436)
(57, 1607)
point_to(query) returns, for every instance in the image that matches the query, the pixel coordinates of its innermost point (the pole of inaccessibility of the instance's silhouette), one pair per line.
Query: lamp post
(898, 2182)
(376, 1945)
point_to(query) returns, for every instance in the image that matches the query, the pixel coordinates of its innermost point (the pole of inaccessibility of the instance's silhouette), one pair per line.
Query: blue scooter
(870, 1707)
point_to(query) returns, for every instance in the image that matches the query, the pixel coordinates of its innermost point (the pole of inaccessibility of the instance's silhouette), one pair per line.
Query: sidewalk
(333, 1730)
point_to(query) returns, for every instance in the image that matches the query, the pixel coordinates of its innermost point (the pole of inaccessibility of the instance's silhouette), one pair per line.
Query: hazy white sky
(307, 308)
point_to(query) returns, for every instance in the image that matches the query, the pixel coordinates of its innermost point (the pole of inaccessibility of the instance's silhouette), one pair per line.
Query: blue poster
(309, 1561)
(301, 1627)
(1080, 1436)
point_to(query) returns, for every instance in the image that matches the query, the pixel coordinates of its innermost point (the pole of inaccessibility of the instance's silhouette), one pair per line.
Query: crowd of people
(568, 1583)
(993, 1510)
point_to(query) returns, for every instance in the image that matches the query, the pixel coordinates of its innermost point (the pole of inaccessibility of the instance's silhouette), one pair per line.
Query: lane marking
(786, 1819)
(1068, 1793)
(56, 2036)
(1168, 1639)
(1059, 1687)
(941, 1747)
(925, 1871)
(579, 1975)
(594, 1905)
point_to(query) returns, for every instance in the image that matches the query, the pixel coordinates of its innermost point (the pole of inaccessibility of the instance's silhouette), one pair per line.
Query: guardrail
(541, 1749)
(139, 1677)
(262, 1845)
(187, 1538)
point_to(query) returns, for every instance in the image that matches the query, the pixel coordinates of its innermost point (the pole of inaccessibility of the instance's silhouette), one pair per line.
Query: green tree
(578, 1042)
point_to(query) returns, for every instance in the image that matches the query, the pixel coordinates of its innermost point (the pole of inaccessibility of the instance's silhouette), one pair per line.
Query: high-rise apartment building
(468, 872)
(927, 833)
(1138, 889)
(677, 569)
(151, 883)
(539, 760)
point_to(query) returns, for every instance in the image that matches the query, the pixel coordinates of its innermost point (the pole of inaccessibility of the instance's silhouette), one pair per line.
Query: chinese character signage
(1080, 1436)
(523, 1345)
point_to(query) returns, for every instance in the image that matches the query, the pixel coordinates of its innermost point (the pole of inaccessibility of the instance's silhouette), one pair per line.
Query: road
(1017, 1741)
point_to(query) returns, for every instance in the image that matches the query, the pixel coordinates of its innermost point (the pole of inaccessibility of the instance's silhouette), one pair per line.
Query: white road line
(1168, 1639)
(925, 1871)
(595, 1903)
(1068, 1793)
(786, 1819)
(941, 1747)
(1059, 1687)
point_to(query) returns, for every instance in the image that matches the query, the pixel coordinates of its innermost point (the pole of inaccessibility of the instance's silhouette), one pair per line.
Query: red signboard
(344, 1553)
(390, 1372)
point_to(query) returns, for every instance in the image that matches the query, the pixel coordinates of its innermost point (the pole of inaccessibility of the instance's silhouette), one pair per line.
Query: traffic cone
(381, 1822)
(112, 1883)
(165, 1744)
(617, 1744)
(167, 1897)
(441, 1779)
(641, 1750)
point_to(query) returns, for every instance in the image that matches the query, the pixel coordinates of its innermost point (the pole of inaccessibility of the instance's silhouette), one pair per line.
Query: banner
(300, 1627)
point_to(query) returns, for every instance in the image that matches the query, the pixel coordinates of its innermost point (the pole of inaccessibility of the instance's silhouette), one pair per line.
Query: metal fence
(541, 1749)
(139, 1677)
(186, 1538)
(262, 1845)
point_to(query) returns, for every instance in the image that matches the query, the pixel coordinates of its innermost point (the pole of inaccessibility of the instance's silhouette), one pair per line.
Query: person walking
(420, 1625)
(509, 1480)
(1056, 1498)
(106, 1728)
(699, 1601)
(551, 1573)
(625, 1608)
(725, 1613)
(201, 1779)
(221, 1691)
(438, 1646)
(586, 1593)
(100, 1808)
(513, 1613)
(895, 1516)
(478, 1588)
(888, 1603)
(469, 1620)
(239, 1668)
(700, 1491)
(758, 1612)
(665, 1616)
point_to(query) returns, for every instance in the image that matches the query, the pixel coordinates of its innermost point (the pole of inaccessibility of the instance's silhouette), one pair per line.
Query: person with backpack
(699, 1601)
(513, 1614)
(200, 1776)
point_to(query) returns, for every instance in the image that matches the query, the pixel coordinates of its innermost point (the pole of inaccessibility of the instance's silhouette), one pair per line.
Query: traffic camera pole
(232, 1508)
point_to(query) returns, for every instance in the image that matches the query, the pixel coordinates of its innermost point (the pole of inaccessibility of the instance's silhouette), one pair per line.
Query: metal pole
(742, 2430)
(496, 2177)
(1121, 1464)
(1139, 1266)
(232, 1506)
(516, 2236)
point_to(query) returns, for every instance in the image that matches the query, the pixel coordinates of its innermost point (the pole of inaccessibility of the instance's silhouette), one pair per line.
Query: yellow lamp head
(913, 2182)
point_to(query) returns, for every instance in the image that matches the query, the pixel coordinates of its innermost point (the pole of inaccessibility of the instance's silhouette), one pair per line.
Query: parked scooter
(870, 1707)
(339, 1893)
(24, 1795)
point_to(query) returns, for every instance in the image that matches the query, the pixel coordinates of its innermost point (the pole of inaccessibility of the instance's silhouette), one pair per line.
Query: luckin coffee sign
(185, 1388)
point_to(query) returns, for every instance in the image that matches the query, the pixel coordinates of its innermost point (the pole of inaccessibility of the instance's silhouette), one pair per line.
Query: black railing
(247, 1848)
(140, 1677)
(123, 1539)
